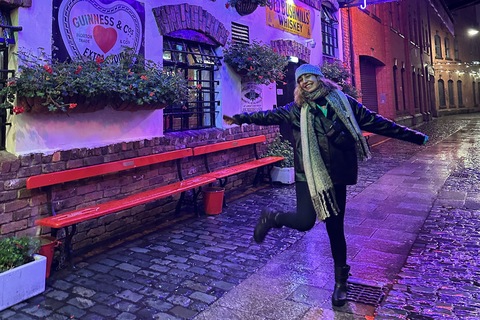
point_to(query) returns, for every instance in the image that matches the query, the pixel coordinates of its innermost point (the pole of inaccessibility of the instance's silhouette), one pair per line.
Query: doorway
(368, 81)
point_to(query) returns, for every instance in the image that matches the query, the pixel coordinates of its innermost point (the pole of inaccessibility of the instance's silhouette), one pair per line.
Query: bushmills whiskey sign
(287, 16)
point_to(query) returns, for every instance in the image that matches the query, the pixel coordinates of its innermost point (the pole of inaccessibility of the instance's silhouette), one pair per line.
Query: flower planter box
(283, 175)
(23, 282)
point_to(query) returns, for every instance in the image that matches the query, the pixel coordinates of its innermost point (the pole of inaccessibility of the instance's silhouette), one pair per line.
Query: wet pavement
(411, 227)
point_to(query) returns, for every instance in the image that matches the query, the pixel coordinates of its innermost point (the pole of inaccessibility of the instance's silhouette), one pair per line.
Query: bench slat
(76, 216)
(222, 173)
(227, 145)
(48, 179)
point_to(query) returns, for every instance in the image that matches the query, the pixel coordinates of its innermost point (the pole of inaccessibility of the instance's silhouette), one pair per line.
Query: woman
(327, 130)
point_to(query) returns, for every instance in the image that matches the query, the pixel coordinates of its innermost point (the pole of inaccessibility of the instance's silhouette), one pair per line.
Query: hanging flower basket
(245, 7)
(255, 62)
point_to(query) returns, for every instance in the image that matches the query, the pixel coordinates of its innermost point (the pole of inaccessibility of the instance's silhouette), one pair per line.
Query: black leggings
(305, 218)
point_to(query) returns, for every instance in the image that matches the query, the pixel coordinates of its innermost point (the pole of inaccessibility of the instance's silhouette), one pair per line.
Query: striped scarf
(319, 182)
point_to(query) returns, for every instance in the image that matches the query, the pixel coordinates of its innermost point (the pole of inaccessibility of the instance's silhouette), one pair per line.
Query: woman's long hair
(326, 86)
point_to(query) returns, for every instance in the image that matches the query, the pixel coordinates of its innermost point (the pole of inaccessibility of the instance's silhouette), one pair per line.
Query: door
(368, 82)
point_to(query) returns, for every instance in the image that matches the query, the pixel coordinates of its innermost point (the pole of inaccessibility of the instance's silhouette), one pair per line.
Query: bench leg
(179, 203)
(260, 175)
(68, 243)
(196, 193)
(223, 183)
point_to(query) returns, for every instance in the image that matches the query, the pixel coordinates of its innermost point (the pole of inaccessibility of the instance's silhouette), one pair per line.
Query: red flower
(199, 86)
(72, 105)
(79, 68)
(143, 77)
(151, 94)
(11, 83)
(249, 58)
(227, 5)
(48, 68)
(18, 110)
(99, 59)
(260, 77)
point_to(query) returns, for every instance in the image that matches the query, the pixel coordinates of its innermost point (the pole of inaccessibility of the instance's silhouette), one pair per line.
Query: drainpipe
(352, 53)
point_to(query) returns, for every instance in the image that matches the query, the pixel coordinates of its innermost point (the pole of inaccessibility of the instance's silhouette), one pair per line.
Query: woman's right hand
(228, 120)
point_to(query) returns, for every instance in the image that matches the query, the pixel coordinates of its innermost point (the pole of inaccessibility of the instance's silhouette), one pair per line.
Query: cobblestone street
(412, 230)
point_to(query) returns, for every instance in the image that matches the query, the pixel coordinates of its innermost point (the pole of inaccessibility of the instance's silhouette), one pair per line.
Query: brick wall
(19, 207)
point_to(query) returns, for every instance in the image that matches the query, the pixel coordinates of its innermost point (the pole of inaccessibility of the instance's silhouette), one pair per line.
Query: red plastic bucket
(213, 200)
(47, 249)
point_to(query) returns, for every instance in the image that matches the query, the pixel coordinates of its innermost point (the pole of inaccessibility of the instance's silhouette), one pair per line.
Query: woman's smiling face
(308, 82)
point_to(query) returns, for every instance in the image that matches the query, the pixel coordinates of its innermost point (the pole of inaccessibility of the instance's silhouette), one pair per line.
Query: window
(447, 49)
(438, 47)
(6, 38)
(451, 95)
(420, 91)
(404, 99)
(427, 40)
(395, 87)
(414, 27)
(474, 94)
(441, 93)
(198, 61)
(460, 93)
(415, 91)
(478, 91)
(395, 23)
(455, 50)
(329, 32)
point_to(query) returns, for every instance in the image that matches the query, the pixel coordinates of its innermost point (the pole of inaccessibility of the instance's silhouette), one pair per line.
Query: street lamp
(472, 32)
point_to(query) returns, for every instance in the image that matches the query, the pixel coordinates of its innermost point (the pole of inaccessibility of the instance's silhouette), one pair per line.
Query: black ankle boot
(264, 224)
(339, 296)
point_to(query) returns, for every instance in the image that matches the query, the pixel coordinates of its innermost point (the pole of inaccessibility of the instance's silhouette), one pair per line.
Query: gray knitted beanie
(307, 69)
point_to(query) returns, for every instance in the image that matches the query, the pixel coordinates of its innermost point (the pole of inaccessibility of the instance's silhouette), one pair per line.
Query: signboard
(251, 97)
(285, 15)
(97, 28)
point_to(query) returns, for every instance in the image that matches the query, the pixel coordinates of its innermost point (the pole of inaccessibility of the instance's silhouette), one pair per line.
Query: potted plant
(245, 7)
(46, 85)
(284, 171)
(22, 271)
(256, 62)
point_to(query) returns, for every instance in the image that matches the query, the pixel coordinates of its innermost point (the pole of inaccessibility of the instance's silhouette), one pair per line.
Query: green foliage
(132, 79)
(15, 251)
(339, 73)
(281, 148)
(256, 62)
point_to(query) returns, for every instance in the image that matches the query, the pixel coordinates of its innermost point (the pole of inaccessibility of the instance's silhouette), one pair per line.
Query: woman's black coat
(340, 158)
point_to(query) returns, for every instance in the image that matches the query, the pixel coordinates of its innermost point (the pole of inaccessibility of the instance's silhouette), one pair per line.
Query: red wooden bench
(222, 174)
(367, 136)
(69, 220)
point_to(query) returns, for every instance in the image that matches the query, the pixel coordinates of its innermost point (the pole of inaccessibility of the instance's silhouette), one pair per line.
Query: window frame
(329, 32)
(199, 62)
(438, 46)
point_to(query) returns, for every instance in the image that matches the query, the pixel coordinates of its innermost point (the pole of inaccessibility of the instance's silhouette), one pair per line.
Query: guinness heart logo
(92, 28)
(105, 38)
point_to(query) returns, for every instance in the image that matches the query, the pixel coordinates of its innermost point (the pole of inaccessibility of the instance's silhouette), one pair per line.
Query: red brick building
(391, 50)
